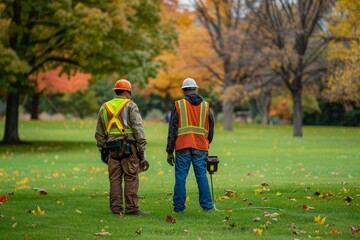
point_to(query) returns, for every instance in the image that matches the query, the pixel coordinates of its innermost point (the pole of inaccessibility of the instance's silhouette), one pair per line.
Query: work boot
(137, 213)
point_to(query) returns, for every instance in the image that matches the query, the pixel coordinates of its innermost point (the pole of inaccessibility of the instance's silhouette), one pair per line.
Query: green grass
(62, 158)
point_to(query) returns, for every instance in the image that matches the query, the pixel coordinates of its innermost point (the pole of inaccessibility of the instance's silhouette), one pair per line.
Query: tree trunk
(228, 109)
(297, 115)
(11, 135)
(35, 106)
(263, 103)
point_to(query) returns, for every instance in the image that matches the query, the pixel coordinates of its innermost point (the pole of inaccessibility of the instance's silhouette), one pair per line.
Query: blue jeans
(183, 160)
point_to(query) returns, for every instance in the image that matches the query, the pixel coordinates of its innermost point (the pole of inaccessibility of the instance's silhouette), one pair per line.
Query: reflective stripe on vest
(114, 123)
(185, 128)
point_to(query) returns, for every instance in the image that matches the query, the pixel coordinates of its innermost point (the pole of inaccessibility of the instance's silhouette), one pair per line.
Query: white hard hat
(189, 83)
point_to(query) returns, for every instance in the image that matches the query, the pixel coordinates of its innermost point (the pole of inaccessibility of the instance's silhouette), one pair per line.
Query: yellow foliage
(343, 82)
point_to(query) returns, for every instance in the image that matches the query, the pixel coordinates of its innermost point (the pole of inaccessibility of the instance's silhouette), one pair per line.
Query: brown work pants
(125, 169)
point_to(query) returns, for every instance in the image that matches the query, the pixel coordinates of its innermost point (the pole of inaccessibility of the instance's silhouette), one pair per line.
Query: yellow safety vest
(185, 127)
(115, 114)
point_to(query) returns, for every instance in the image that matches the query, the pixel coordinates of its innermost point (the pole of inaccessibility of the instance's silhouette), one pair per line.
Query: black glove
(144, 165)
(104, 155)
(141, 156)
(170, 159)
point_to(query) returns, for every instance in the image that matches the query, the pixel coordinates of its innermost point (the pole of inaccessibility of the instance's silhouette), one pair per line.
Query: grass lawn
(279, 183)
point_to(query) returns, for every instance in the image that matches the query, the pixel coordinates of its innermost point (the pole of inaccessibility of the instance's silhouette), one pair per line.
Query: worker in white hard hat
(191, 130)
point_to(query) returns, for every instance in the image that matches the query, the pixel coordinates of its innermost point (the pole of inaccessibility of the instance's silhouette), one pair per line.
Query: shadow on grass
(49, 145)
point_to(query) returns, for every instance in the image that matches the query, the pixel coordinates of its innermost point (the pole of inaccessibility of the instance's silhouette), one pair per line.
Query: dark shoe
(137, 213)
(208, 210)
(178, 212)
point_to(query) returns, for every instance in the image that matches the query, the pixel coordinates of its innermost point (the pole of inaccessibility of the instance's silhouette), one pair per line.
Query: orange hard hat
(122, 84)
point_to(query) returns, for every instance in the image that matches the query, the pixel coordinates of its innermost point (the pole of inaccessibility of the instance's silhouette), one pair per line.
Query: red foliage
(3, 198)
(54, 82)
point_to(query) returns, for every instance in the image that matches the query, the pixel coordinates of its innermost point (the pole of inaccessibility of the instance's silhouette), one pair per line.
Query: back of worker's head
(121, 86)
(189, 85)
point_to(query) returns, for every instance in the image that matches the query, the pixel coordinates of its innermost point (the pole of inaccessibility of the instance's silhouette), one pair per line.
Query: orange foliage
(54, 82)
(281, 107)
(193, 44)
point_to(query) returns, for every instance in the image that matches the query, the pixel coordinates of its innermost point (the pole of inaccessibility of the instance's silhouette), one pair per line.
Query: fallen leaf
(228, 209)
(258, 231)
(42, 191)
(272, 215)
(257, 219)
(226, 219)
(3, 199)
(138, 231)
(170, 219)
(344, 183)
(354, 230)
(348, 199)
(59, 202)
(319, 195)
(14, 225)
(78, 211)
(307, 207)
(40, 212)
(292, 199)
(296, 230)
(262, 184)
(229, 192)
(233, 225)
(319, 220)
(102, 234)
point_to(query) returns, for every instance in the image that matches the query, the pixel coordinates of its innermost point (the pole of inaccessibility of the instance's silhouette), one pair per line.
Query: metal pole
(212, 188)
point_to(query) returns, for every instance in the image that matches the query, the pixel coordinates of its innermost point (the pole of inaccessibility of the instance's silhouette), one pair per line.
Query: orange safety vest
(193, 125)
(115, 114)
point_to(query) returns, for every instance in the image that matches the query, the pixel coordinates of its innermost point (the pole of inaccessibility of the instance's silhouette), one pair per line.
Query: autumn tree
(122, 37)
(227, 24)
(183, 61)
(55, 81)
(343, 80)
(290, 32)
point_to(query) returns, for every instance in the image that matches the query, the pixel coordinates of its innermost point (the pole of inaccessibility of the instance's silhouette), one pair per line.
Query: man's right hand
(104, 155)
(170, 159)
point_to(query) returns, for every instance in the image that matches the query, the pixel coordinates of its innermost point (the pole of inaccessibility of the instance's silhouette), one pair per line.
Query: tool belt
(121, 144)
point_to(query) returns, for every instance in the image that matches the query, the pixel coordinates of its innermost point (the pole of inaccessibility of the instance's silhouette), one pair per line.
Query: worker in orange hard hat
(120, 137)
(123, 84)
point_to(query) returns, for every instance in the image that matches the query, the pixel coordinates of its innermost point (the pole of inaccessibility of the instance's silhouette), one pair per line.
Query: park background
(281, 77)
